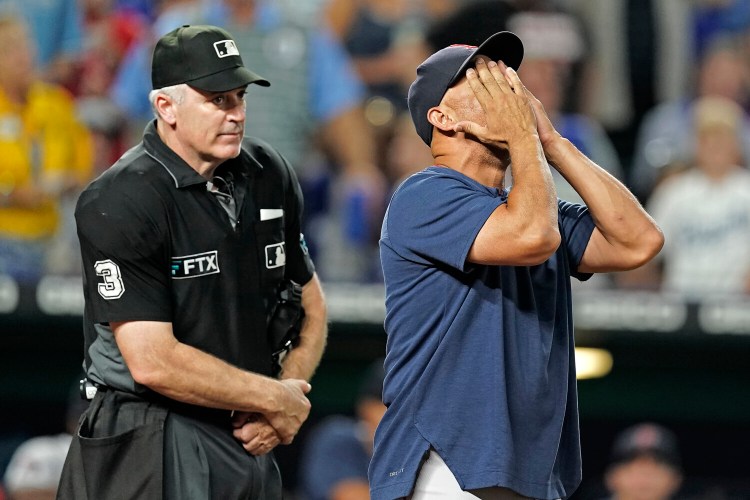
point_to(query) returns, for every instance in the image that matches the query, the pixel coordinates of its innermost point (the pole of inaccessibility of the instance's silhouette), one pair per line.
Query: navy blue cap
(204, 57)
(445, 67)
(646, 439)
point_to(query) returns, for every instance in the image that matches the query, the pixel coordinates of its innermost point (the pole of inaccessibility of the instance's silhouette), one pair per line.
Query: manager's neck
(472, 159)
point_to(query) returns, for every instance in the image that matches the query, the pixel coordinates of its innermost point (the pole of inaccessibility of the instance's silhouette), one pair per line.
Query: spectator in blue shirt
(57, 27)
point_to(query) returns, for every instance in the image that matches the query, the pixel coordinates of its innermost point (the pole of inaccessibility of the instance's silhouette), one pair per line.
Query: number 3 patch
(112, 288)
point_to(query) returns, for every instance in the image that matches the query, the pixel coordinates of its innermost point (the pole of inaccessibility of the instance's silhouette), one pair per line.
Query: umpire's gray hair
(174, 92)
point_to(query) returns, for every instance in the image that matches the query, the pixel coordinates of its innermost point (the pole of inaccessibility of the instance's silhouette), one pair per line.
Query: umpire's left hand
(255, 433)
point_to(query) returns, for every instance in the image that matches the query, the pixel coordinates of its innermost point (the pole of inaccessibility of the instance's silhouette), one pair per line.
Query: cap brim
(503, 46)
(663, 456)
(233, 78)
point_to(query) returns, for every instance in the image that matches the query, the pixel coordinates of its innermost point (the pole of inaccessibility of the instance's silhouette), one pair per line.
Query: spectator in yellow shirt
(45, 154)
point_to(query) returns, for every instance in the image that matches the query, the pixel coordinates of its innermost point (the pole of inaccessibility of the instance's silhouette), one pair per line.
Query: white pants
(436, 482)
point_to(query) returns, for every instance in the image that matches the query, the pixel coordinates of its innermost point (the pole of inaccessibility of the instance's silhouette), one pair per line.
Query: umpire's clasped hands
(503, 97)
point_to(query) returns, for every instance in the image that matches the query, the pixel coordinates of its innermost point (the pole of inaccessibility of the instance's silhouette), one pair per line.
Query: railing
(594, 310)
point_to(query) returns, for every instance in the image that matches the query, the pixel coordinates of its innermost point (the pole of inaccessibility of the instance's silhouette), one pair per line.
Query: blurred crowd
(656, 92)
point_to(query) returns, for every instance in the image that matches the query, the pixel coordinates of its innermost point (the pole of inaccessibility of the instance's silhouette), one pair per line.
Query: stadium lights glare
(592, 362)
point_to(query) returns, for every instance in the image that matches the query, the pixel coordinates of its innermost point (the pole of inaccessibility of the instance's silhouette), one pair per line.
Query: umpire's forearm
(157, 360)
(303, 360)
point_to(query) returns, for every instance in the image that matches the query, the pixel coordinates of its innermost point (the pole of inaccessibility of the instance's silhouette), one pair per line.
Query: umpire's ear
(164, 105)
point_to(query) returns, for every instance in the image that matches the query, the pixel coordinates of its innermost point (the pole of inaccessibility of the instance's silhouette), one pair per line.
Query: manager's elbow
(649, 245)
(542, 244)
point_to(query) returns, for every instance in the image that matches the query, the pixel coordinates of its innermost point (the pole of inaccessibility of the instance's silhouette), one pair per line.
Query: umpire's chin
(228, 145)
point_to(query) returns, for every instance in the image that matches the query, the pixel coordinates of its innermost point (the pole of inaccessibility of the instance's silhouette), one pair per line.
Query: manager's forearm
(615, 210)
(533, 197)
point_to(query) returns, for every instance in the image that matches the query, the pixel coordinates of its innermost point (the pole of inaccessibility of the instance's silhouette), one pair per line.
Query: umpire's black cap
(445, 67)
(204, 57)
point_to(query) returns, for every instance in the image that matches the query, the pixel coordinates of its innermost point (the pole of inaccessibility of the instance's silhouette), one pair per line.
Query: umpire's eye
(224, 100)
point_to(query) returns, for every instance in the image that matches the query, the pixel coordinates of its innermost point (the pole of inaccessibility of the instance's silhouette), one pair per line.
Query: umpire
(186, 243)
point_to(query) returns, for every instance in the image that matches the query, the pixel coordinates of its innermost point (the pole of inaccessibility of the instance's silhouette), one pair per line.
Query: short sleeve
(125, 264)
(576, 227)
(434, 218)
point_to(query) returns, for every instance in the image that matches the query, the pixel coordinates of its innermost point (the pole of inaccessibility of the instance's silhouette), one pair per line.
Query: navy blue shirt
(480, 359)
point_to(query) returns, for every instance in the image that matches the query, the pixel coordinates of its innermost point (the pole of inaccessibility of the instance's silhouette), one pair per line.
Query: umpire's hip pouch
(117, 452)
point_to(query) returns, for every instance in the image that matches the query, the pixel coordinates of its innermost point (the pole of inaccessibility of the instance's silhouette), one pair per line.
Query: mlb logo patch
(226, 48)
(275, 255)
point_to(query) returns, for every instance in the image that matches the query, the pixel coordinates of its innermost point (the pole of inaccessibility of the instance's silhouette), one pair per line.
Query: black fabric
(128, 447)
(203, 56)
(202, 460)
(116, 452)
(150, 214)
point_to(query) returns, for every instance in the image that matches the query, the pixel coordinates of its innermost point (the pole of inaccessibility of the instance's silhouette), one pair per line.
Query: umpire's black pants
(129, 448)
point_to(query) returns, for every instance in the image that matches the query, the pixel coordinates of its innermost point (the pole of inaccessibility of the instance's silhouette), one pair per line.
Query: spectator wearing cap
(645, 464)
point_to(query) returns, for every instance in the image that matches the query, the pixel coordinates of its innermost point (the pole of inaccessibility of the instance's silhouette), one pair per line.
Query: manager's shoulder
(427, 179)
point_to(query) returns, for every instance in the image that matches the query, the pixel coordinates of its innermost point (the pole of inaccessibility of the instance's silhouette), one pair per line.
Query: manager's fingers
(518, 87)
(491, 78)
(477, 86)
(498, 73)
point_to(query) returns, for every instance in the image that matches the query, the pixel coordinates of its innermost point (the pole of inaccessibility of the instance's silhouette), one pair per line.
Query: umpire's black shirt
(158, 246)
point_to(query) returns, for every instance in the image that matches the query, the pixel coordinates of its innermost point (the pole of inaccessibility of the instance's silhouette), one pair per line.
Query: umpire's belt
(89, 389)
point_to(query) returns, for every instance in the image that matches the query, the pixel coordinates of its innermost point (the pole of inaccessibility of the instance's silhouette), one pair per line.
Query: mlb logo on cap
(225, 48)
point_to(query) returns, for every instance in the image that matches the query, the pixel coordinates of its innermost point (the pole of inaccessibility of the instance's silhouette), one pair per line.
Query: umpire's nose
(236, 109)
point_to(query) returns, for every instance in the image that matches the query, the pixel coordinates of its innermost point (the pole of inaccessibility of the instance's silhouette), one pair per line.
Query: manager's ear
(441, 118)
